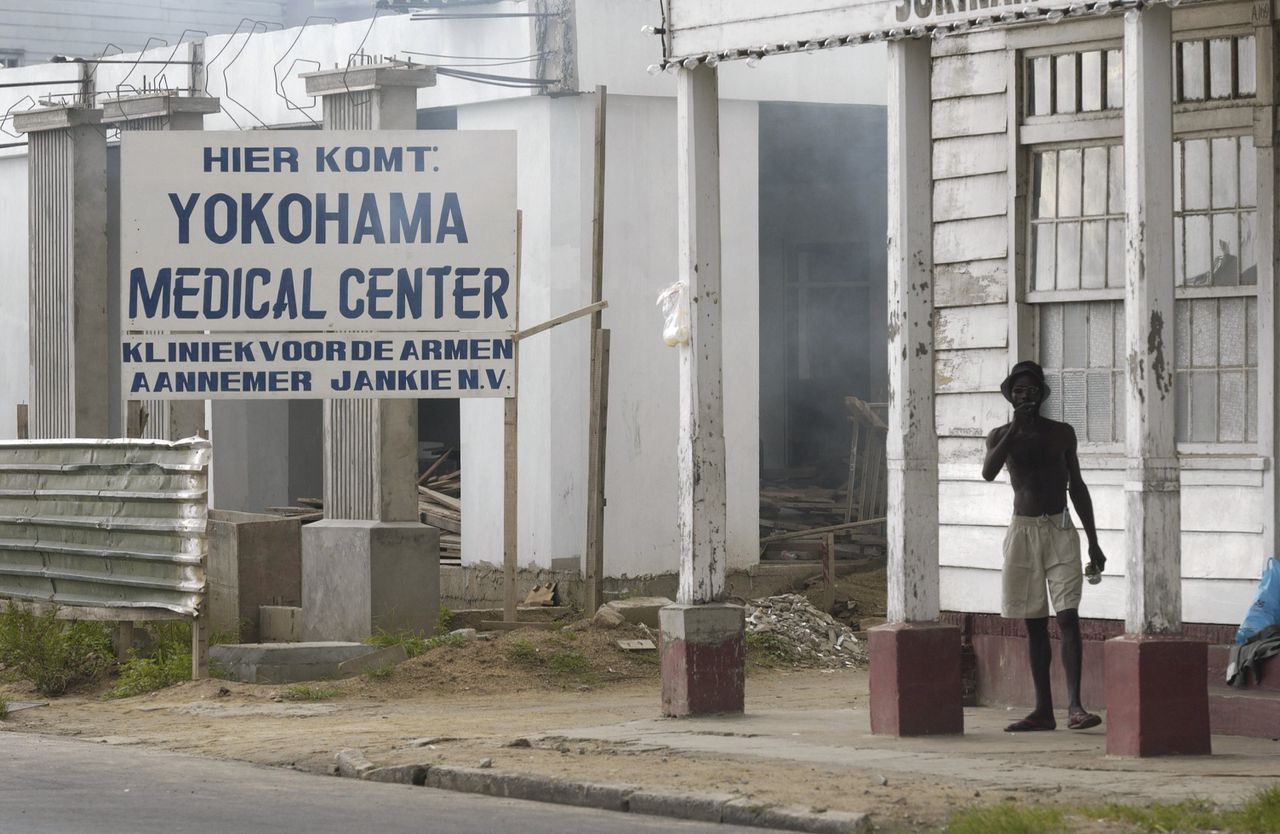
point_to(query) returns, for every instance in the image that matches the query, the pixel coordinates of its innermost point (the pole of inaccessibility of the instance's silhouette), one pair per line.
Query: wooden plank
(957, 328)
(970, 116)
(440, 498)
(442, 522)
(593, 309)
(123, 640)
(511, 459)
(200, 646)
(969, 198)
(955, 76)
(597, 432)
(986, 40)
(818, 531)
(970, 240)
(971, 282)
(434, 466)
(967, 371)
(969, 415)
(968, 156)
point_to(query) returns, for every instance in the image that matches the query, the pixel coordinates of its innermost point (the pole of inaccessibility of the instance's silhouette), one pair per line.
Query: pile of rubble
(810, 638)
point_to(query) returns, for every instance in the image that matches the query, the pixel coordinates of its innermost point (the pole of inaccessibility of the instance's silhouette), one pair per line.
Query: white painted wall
(13, 293)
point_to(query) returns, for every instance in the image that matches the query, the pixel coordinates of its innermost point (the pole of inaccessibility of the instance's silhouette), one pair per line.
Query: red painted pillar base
(915, 680)
(1157, 696)
(704, 657)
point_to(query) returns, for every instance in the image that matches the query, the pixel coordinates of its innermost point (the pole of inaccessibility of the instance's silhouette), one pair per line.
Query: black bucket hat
(1025, 368)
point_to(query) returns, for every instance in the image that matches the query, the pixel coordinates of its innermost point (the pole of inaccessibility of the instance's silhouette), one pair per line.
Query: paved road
(59, 786)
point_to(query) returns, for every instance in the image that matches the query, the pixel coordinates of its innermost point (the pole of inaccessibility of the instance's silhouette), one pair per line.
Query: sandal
(1083, 721)
(1031, 725)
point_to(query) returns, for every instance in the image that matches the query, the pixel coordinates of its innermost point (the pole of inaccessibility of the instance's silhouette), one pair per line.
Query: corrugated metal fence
(104, 523)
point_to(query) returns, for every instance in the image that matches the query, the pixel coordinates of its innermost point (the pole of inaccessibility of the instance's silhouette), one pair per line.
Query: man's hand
(1096, 559)
(1023, 416)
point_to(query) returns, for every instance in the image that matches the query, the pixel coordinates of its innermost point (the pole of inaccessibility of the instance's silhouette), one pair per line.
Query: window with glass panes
(1075, 265)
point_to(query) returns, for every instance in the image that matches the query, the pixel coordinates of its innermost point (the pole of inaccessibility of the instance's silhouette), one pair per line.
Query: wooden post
(599, 401)
(123, 639)
(912, 443)
(701, 514)
(829, 573)
(200, 646)
(1152, 494)
(510, 455)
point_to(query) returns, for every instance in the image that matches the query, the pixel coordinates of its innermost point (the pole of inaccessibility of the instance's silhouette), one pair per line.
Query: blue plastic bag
(1265, 610)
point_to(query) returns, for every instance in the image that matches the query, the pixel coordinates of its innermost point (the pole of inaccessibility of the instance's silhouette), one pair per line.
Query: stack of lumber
(305, 510)
(440, 505)
(786, 508)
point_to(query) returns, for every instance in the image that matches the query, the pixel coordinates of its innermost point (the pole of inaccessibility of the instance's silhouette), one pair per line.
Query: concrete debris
(607, 617)
(810, 638)
(486, 763)
(467, 634)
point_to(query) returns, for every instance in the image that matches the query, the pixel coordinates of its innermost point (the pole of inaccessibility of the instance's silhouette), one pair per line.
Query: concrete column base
(704, 657)
(1157, 696)
(360, 576)
(915, 680)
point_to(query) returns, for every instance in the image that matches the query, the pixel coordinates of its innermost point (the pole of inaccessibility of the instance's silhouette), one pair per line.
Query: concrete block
(748, 813)
(351, 763)
(1157, 696)
(915, 679)
(280, 624)
(638, 610)
(382, 657)
(685, 806)
(362, 576)
(703, 653)
(286, 662)
(254, 560)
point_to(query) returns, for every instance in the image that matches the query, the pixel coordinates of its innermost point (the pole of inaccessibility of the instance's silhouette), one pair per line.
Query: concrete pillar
(1157, 699)
(369, 563)
(166, 419)
(67, 179)
(703, 650)
(915, 661)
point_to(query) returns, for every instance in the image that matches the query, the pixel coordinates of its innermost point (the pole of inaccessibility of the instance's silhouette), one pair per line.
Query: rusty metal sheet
(104, 523)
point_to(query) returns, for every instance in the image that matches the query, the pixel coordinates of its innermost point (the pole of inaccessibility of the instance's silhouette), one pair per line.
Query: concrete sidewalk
(1071, 764)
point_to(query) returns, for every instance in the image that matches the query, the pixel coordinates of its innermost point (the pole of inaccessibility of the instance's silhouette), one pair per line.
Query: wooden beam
(597, 432)
(818, 531)
(911, 447)
(592, 309)
(510, 457)
(701, 490)
(1153, 523)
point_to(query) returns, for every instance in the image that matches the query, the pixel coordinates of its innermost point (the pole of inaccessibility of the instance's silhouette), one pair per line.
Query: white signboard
(291, 263)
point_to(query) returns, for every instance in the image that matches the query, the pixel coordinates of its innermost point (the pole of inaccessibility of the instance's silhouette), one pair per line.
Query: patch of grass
(1007, 818)
(4, 708)
(444, 621)
(765, 648)
(414, 642)
(1260, 815)
(522, 651)
(307, 692)
(166, 663)
(381, 673)
(568, 662)
(53, 654)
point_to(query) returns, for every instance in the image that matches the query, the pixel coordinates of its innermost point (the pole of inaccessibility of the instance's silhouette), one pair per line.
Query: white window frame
(1200, 119)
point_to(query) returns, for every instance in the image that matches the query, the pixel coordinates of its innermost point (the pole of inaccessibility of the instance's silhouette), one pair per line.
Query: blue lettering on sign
(320, 218)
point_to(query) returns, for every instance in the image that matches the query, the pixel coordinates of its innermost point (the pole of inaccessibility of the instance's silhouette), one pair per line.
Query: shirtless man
(1042, 547)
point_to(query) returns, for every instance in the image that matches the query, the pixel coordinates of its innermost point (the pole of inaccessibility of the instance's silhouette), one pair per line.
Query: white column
(912, 444)
(67, 174)
(700, 454)
(1152, 492)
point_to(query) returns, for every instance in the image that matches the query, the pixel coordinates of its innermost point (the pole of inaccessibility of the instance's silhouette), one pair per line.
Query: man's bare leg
(1072, 660)
(1040, 654)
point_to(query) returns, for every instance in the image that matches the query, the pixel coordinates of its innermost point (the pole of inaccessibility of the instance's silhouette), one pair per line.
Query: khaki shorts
(1038, 553)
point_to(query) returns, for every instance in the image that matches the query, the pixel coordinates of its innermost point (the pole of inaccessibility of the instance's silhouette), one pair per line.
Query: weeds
(415, 643)
(766, 649)
(561, 663)
(53, 654)
(4, 708)
(381, 673)
(1007, 818)
(167, 663)
(1260, 815)
(444, 621)
(306, 692)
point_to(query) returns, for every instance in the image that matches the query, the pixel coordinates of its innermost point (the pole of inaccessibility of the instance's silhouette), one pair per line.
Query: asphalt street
(50, 785)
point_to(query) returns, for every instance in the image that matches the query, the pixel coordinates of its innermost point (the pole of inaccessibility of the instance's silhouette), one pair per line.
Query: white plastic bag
(674, 301)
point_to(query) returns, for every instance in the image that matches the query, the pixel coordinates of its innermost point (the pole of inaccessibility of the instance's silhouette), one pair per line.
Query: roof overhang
(710, 31)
